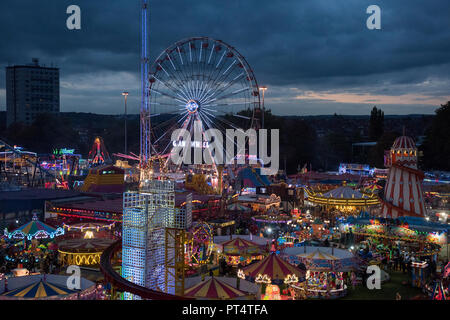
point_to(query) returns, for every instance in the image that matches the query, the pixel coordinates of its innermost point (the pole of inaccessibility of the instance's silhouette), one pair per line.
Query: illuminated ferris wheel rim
(201, 78)
(176, 47)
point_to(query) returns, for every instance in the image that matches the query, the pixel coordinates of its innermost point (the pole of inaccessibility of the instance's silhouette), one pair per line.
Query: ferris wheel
(204, 81)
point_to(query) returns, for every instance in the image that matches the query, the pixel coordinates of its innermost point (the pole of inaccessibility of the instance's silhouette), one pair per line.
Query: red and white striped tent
(403, 192)
(214, 289)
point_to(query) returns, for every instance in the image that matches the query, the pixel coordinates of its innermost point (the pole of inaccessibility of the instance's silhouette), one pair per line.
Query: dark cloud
(318, 45)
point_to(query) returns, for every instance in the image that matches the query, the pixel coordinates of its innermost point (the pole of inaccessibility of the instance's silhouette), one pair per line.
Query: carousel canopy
(373, 188)
(84, 245)
(237, 207)
(239, 243)
(344, 193)
(35, 229)
(89, 226)
(322, 258)
(272, 269)
(240, 246)
(213, 289)
(319, 252)
(318, 255)
(39, 289)
(261, 241)
(342, 196)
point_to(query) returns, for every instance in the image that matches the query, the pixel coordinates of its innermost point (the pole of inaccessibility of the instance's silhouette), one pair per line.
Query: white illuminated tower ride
(145, 127)
(153, 238)
(403, 191)
(153, 229)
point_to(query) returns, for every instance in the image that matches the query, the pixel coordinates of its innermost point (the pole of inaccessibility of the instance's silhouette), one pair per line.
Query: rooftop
(38, 194)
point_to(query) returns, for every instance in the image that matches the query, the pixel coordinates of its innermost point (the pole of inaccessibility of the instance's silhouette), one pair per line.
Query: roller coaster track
(122, 284)
(8, 147)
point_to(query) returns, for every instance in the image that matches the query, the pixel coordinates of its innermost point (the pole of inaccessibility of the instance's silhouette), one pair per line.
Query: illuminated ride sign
(194, 144)
(63, 151)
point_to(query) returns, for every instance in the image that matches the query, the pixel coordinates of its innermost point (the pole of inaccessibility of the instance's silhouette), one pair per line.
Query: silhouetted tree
(376, 153)
(46, 133)
(376, 124)
(436, 147)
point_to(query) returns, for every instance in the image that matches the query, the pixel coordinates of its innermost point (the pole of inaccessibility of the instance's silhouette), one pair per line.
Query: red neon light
(86, 217)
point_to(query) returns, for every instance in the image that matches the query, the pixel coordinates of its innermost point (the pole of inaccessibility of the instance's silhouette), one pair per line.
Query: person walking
(409, 268)
(353, 278)
(433, 267)
(42, 265)
(396, 260)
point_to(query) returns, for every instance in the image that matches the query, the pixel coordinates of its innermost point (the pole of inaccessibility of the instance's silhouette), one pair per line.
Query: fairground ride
(98, 154)
(22, 168)
(65, 164)
(195, 82)
(199, 83)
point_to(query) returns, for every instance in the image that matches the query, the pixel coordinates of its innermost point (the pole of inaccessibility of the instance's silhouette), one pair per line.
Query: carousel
(29, 243)
(343, 199)
(326, 268)
(88, 230)
(272, 273)
(241, 251)
(34, 229)
(82, 252)
(89, 226)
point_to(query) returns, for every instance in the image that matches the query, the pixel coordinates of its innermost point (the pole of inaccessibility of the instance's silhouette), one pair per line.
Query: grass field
(388, 289)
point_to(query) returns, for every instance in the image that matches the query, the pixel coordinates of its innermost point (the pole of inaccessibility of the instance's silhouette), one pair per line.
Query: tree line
(317, 142)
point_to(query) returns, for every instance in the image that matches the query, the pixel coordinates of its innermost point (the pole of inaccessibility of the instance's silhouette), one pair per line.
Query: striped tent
(39, 289)
(214, 289)
(403, 193)
(35, 229)
(373, 188)
(273, 270)
(318, 255)
(318, 259)
(241, 247)
(237, 207)
(404, 142)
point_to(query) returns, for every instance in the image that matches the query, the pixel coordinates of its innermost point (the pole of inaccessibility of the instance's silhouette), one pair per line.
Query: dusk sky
(315, 56)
